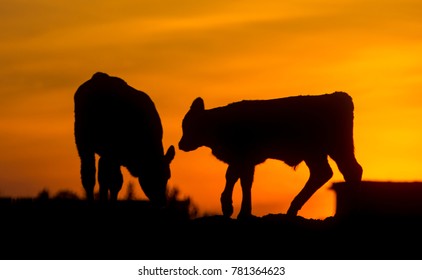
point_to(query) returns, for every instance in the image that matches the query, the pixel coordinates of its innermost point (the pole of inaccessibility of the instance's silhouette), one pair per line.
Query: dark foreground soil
(66, 229)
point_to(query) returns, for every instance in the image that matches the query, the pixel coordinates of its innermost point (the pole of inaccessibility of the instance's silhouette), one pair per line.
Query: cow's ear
(170, 154)
(197, 104)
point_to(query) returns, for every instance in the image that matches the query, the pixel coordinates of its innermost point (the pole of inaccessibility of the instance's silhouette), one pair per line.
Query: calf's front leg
(232, 175)
(246, 180)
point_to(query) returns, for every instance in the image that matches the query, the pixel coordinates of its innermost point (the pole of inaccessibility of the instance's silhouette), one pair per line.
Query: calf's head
(191, 126)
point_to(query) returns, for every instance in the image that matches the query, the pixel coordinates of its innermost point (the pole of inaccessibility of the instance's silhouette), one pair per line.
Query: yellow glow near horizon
(224, 52)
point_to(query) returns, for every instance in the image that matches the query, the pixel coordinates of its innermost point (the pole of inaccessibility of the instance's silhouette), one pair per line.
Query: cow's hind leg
(232, 175)
(88, 174)
(110, 178)
(320, 173)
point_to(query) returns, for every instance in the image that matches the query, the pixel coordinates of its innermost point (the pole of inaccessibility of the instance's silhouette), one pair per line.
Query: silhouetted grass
(63, 226)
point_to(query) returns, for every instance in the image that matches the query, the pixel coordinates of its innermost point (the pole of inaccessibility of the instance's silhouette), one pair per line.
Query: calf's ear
(197, 104)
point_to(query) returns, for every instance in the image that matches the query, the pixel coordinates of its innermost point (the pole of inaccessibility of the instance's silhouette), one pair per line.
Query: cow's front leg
(246, 180)
(232, 175)
(110, 178)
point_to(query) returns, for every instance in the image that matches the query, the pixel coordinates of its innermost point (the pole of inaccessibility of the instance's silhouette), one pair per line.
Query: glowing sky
(223, 51)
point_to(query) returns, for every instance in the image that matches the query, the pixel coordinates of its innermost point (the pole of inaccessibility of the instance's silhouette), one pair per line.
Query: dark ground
(74, 229)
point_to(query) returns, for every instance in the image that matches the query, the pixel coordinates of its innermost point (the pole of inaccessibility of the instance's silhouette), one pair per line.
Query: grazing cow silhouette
(292, 129)
(122, 126)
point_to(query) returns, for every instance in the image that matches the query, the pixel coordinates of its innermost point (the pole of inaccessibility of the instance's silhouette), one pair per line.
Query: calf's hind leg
(110, 178)
(350, 168)
(320, 173)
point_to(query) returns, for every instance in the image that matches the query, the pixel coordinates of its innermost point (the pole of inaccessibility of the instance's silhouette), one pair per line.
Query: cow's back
(114, 118)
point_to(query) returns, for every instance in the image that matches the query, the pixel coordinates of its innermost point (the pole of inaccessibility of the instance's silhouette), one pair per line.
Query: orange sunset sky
(223, 51)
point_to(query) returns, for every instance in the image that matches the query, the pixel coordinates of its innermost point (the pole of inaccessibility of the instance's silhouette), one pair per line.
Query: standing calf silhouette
(122, 126)
(291, 129)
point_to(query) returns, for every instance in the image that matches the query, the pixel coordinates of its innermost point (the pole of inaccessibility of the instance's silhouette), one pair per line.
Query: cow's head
(154, 176)
(191, 126)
